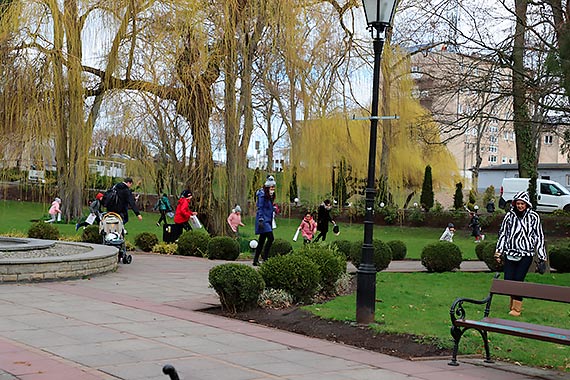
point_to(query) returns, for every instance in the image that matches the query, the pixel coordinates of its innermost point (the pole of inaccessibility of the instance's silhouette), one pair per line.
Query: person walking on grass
(308, 227)
(55, 211)
(163, 206)
(476, 226)
(94, 213)
(448, 233)
(323, 219)
(125, 200)
(264, 219)
(520, 238)
(234, 220)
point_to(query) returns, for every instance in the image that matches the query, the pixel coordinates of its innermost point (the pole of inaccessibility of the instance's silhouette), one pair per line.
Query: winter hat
(270, 181)
(450, 225)
(99, 196)
(58, 200)
(237, 209)
(522, 196)
(185, 194)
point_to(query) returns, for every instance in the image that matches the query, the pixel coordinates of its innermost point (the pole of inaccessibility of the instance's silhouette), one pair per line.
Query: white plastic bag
(296, 235)
(195, 222)
(90, 219)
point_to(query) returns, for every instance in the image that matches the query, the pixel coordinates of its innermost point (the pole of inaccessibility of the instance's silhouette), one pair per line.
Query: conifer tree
(458, 196)
(427, 197)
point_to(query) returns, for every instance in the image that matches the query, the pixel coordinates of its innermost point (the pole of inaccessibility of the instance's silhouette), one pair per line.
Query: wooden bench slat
(526, 325)
(561, 337)
(531, 290)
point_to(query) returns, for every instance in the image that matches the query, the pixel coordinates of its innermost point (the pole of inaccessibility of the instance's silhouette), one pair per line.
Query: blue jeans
(517, 270)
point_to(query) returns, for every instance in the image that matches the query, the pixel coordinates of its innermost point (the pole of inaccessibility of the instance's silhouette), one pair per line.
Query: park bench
(460, 324)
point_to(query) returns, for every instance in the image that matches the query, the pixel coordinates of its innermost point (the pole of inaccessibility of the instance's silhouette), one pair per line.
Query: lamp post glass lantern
(379, 14)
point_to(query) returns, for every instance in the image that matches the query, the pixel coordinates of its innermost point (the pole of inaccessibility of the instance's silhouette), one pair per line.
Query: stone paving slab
(128, 324)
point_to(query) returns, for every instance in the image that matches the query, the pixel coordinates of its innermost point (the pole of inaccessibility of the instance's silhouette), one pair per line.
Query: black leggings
(517, 270)
(162, 217)
(264, 246)
(322, 234)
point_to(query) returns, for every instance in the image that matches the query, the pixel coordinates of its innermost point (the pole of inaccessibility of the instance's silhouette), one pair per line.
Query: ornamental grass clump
(238, 286)
(223, 248)
(442, 256)
(165, 248)
(296, 274)
(146, 241)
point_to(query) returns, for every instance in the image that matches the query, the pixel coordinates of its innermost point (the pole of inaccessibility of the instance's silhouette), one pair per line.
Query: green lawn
(419, 303)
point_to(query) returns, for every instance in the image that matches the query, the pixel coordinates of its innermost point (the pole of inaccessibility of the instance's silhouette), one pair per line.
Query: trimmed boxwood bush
(223, 248)
(193, 243)
(442, 256)
(42, 230)
(280, 247)
(238, 286)
(382, 254)
(331, 263)
(560, 258)
(485, 252)
(146, 241)
(342, 246)
(296, 274)
(91, 235)
(399, 249)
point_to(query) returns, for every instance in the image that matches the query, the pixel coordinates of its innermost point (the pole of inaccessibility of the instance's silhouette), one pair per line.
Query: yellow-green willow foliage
(413, 143)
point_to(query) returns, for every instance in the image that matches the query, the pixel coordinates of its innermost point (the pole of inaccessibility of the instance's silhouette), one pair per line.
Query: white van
(550, 194)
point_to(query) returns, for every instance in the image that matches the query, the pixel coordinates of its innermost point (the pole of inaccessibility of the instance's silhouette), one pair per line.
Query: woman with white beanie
(264, 219)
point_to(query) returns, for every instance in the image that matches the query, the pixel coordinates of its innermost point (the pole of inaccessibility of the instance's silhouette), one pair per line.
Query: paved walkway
(128, 324)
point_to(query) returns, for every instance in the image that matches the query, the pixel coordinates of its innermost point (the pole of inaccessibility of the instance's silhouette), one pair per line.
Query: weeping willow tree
(413, 143)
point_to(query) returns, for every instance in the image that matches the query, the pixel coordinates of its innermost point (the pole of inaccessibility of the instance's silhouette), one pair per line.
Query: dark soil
(302, 322)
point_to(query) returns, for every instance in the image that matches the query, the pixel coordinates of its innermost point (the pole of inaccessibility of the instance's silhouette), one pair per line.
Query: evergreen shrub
(560, 258)
(193, 243)
(331, 263)
(399, 249)
(223, 248)
(91, 234)
(42, 230)
(146, 241)
(280, 247)
(382, 254)
(296, 274)
(442, 256)
(485, 252)
(238, 286)
(342, 246)
(165, 248)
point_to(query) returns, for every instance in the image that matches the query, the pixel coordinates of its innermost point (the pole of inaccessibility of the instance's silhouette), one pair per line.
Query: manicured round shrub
(331, 263)
(280, 247)
(193, 243)
(146, 241)
(296, 274)
(382, 254)
(560, 258)
(442, 256)
(485, 252)
(342, 246)
(399, 249)
(42, 230)
(91, 235)
(238, 286)
(223, 248)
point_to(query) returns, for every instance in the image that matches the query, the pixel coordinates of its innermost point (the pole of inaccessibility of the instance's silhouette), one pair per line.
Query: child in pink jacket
(55, 211)
(308, 228)
(234, 220)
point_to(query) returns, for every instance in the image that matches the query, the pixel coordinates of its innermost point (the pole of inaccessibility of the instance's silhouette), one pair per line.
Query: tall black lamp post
(379, 14)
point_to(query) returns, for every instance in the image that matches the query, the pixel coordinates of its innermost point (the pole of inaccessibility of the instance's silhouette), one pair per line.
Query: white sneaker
(482, 237)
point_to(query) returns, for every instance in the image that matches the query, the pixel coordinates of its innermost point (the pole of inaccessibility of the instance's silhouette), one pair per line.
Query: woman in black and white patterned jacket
(520, 238)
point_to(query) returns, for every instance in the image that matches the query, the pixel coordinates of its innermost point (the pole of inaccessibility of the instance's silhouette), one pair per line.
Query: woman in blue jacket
(264, 219)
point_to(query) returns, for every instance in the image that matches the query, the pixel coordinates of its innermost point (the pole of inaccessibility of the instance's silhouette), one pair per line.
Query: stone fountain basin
(28, 260)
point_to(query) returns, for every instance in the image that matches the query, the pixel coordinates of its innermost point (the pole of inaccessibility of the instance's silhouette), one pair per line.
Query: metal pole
(366, 274)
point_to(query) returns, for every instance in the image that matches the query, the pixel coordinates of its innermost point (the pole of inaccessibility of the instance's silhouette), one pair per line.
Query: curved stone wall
(56, 261)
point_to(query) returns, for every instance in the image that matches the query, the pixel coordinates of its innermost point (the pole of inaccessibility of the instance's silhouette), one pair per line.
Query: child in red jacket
(308, 228)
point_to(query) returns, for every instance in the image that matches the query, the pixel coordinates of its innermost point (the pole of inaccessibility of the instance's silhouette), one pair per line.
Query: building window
(493, 149)
(548, 139)
(506, 136)
(503, 160)
(493, 139)
(493, 129)
(510, 160)
(567, 180)
(492, 159)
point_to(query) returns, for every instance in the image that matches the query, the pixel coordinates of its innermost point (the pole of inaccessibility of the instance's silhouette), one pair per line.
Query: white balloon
(382, 204)
(253, 244)
(296, 200)
(476, 207)
(415, 204)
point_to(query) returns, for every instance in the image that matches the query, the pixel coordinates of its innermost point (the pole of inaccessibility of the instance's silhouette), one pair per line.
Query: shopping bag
(90, 219)
(170, 214)
(273, 224)
(296, 235)
(195, 222)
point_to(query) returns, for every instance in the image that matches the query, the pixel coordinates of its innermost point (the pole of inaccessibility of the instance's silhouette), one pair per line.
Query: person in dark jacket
(264, 219)
(94, 213)
(323, 219)
(520, 238)
(163, 206)
(126, 200)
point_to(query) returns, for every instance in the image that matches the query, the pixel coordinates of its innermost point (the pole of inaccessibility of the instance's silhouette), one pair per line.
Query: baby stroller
(113, 233)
